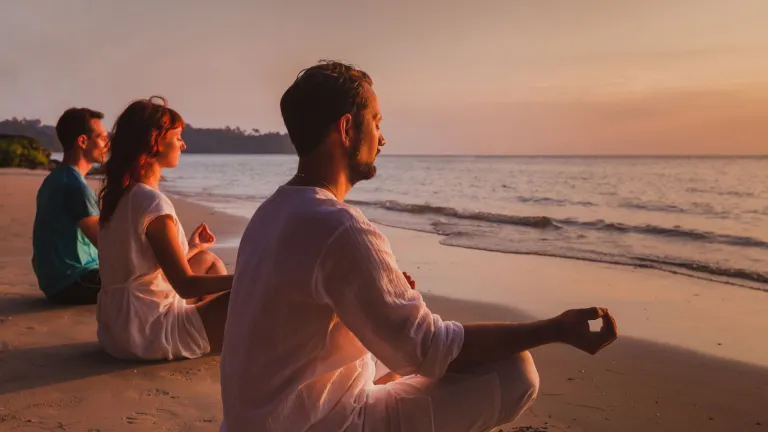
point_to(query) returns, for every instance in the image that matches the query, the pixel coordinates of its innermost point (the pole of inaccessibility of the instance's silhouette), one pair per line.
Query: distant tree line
(21, 151)
(198, 140)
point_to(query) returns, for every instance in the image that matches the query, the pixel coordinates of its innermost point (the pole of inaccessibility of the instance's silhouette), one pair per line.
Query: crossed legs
(488, 397)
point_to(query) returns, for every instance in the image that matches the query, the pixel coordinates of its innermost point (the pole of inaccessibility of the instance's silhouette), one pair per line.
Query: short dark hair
(319, 97)
(73, 123)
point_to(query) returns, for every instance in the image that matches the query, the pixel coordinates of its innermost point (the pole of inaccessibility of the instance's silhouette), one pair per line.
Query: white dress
(139, 314)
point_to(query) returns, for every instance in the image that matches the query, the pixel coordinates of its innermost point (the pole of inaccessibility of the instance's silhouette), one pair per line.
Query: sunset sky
(518, 77)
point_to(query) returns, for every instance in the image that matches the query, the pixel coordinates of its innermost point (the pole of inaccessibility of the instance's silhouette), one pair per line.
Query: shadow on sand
(20, 304)
(29, 368)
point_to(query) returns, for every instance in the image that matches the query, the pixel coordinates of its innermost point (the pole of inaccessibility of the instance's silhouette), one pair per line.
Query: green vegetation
(23, 152)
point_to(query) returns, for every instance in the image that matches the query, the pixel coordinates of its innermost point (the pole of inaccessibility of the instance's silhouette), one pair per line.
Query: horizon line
(513, 155)
(587, 155)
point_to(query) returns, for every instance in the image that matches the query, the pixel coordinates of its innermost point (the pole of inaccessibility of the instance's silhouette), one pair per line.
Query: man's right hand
(573, 329)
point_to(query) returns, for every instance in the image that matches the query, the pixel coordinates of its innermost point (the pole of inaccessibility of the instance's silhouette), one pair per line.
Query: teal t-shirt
(61, 251)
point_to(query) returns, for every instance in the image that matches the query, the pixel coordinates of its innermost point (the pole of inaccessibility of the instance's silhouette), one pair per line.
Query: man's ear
(345, 129)
(82, 141)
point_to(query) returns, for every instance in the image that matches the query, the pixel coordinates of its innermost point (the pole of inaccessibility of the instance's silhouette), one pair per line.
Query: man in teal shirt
(65, 233)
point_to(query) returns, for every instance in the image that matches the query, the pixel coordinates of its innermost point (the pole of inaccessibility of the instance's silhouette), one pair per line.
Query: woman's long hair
(133, 145)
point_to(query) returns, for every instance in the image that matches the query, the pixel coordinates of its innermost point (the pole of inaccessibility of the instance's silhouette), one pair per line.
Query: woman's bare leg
(213, 313)
(212, 308)
(206, 262)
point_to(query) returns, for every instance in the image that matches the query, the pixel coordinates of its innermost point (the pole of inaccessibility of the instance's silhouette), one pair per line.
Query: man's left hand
(410, 280)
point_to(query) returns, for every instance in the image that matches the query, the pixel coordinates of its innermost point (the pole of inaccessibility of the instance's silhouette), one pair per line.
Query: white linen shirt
(317, 295)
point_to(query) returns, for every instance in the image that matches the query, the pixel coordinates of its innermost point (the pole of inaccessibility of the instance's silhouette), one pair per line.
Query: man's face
(97, 145)
(367, 141)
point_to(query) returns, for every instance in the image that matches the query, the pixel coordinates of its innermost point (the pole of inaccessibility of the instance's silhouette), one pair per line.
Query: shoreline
(738, 277)
(703, 276)
(55, 376)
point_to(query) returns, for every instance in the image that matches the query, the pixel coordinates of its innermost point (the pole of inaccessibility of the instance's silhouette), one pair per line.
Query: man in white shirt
(324, 331)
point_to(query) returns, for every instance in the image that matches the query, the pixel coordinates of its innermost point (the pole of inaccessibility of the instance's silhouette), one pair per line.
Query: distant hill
(228, 140)
(33, 128)
(198, 140)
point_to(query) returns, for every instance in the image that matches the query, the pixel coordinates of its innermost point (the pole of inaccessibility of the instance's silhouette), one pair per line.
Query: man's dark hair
(73, 123)
(319, 97)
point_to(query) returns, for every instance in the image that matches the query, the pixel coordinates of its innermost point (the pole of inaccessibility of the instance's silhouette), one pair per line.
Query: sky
(452, 77)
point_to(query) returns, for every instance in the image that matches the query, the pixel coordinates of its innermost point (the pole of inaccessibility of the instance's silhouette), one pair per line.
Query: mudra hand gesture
(202, 238)
(573, 329)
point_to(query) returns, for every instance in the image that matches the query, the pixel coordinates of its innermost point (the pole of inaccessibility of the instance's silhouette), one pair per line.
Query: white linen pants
(488, 397)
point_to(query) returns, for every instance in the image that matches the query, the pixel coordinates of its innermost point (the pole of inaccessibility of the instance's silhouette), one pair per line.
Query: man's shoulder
(57, 176)
(323, 214)
(337, 214)
(63, 178)
(343, 222)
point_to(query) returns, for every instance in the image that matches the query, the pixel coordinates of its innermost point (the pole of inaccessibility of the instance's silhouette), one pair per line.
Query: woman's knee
(217, 265)
(206, 262)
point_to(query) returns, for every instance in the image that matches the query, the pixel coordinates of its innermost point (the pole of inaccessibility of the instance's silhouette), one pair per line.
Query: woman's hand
(201, 239)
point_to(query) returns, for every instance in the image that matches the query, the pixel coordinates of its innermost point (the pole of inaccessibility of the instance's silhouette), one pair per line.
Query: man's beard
(359, 170)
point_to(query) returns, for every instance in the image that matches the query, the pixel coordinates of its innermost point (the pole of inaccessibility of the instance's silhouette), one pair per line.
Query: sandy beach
(691, 356)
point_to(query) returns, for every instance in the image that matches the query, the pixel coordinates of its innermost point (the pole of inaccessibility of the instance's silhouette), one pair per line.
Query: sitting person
(320, 310)
(65, 232)
(162, 297)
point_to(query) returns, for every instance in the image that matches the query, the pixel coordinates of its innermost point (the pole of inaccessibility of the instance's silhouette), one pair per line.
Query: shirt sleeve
(150, 206)
(359, 278)
(81, 201)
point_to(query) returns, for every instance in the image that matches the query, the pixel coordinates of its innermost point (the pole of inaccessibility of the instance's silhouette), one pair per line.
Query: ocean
(702, 217)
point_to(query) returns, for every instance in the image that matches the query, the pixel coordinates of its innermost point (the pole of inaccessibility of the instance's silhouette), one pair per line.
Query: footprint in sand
(187, 374)
(207, 419)
(141, 418)
(156, 392)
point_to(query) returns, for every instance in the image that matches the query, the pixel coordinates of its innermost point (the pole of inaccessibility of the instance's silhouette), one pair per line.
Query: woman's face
(169, 148)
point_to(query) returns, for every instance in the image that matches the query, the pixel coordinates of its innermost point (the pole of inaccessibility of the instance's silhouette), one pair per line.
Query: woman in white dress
(162, 297)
